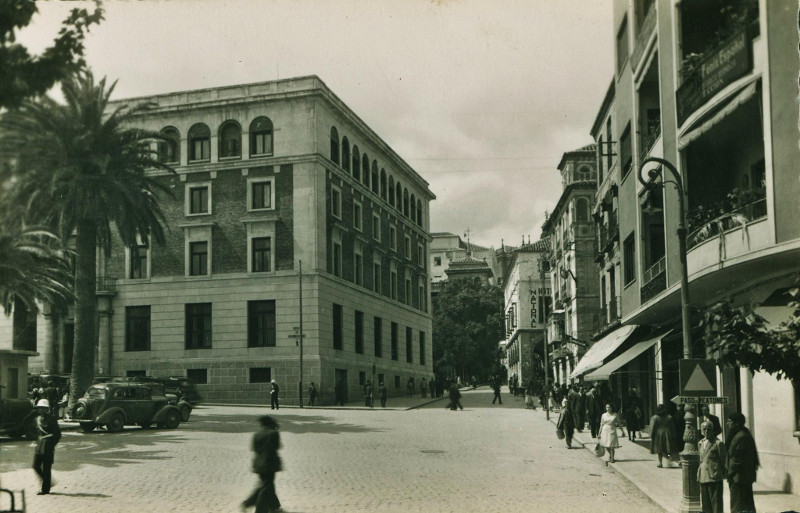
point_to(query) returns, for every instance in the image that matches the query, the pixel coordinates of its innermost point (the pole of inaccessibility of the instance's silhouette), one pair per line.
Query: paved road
(482, 459)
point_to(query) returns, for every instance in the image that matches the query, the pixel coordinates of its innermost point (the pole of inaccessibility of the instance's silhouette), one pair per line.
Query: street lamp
(649, 171)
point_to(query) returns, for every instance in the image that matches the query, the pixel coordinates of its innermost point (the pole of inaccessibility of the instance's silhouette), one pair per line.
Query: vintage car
(17, 418)
(118, 404)
(183, 387)
(158, 388)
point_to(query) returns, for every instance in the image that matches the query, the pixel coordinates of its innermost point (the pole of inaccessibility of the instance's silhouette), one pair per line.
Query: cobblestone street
(482, 459)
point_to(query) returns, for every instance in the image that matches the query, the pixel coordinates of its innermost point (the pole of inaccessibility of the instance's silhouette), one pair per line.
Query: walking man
(273, 395)
(742, 464)
(455, 397)
(312, 394)
(49, 436)
(266, 463)
(496, 388)
(382, 394)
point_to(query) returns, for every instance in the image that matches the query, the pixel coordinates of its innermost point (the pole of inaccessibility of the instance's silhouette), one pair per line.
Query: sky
(481, 98)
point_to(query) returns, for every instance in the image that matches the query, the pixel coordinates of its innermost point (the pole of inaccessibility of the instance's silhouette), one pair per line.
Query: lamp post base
(690, 503)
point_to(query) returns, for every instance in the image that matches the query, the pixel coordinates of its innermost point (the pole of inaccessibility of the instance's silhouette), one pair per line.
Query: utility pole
(546, 405)
(300, 384)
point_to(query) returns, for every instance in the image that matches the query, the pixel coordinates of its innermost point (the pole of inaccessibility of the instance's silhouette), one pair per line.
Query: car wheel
(186, 410)
(87, 427)
(30, 430)
(172, 420)
(116, 423)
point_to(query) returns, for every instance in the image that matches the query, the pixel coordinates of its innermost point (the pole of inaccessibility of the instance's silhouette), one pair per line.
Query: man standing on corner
(49, 436)
(273, 395)
(742, 464)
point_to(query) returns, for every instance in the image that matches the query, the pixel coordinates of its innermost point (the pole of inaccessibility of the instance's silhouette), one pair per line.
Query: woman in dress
(662, 434)
(609, 422)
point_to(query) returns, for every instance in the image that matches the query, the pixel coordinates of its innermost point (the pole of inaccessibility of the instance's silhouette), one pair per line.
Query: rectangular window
(198, 326)
(262, 143)
(376, 277)
(394, 336)
(138, 269)
(392, 237)
(622, 45)
(437, 261)
(377, 335)
(261, 248)
(198, 258)
(201, 148)
(625, 151)
(408, 291)
(423, 298)
(393, 284)
(358, 218)
(376, 227)
(422, 348)
(337, 259)
(260, 374)
(359, 268)
(336, 203)
(397, 382)
(137, 328)
(359, 329)
(199, 376)
(409, 346)
(337, 326)
(261, 323)
(362, 378)
(198, 200)
(261, 195)
(609, 144)
(629, 259)
(407, 247)
(421, 256)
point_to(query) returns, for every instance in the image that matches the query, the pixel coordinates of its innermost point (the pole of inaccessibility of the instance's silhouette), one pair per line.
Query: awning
(601, 349)
(741, 97)
(604, 372)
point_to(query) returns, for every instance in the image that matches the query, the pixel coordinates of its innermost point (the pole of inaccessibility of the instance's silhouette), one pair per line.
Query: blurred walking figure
(742, 464)
(455, 397)
(566, 422)
(711, 471)
(368, 394)
(423, 388)
(579, 409)
(609, 423)
(273, 395)
(662, 435)
(593, 410)
(266, 463)
(633, 414)
(312, 394)
(49, 436)
(382, 394)
(496, 388)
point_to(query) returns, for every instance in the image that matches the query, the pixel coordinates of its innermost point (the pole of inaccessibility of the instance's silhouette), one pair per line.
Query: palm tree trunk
(85, 310)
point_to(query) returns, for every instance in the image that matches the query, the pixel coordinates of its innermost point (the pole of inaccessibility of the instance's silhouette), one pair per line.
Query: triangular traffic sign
(698, 382)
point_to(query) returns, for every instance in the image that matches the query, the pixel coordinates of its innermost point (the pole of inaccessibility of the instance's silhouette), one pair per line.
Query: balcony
(610, 314)
(106, 285)
(718, 218)
(654, 280)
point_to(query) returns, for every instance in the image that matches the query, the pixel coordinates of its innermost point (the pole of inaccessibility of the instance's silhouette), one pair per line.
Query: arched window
(391, 190)
(261, 136)
(335, 145)
(582, 210)
(405, 202)
(419, 212)
(383, 183)
(230, 140)
(345, 153)
(365, 177)
(364, 161)
(356, 162)
(412, 211)
(199, 142)
(375, 177)
(398, 196)
(169, 148)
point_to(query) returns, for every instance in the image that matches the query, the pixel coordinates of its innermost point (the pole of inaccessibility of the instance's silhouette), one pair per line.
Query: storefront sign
(702, 400)
(716, 71)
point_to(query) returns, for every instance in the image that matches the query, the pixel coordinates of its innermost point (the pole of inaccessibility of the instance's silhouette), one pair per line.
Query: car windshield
(96, 392)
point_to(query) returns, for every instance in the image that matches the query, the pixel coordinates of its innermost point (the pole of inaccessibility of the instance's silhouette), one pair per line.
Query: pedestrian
(312, 394)
(455, 397)
(711, 471)
(609, 423)
(579, 409)
(410, 387)
(368, 394)
(633, 414)
(423, 388)
(382, 394)
(662, 435)
(49, 434)
(266, 462)
(529, 395)
(742, 464)
(593, 411)
(566, 422)
(432, 387)
(339, 393)
(273, 395)
(678, 420)
(496, 388)
(713, 419)
(52, 395)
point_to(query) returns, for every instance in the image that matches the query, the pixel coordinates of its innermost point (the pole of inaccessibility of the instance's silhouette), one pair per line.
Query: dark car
(18, 419)
(118, 404)
(158, 388)
(183, 387)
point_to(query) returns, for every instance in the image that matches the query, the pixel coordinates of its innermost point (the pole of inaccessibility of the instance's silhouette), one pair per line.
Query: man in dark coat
(593, 410)
(496, 388)
(273, 395)
(266, 463)
(579, 408)
(49, 436)
(382, 393)
(742, 464)
(713, 419)
(455, 397)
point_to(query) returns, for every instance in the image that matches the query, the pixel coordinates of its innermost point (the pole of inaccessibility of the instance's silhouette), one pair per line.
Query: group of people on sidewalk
(735, 459)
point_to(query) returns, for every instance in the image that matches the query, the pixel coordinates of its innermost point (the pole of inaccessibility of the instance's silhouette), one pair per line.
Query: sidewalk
(665, 485)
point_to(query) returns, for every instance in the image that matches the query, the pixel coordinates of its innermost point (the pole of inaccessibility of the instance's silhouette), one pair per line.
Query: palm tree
(82, 169)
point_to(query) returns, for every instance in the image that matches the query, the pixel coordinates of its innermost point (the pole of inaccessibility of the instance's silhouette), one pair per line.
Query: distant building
(446, 247)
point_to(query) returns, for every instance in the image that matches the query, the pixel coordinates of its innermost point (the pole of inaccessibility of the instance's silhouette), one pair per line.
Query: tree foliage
(468, 323)
(25, 75)
(745, 339)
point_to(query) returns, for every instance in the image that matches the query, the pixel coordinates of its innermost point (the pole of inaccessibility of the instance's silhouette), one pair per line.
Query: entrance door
(341, 377)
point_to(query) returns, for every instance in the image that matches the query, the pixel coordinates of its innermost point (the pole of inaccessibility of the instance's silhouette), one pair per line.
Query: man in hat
(266, 462)
(742, 464)
(273, 395)
(49, 436)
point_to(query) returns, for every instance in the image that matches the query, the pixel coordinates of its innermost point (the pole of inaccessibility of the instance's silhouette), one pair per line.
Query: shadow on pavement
(93, 495)
(288, 422)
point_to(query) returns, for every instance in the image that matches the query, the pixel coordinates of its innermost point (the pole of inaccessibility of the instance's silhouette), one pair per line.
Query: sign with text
(698, 378)
(703, 400)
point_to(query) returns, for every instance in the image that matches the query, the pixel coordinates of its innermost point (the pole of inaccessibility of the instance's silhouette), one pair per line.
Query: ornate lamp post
(690, 460)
